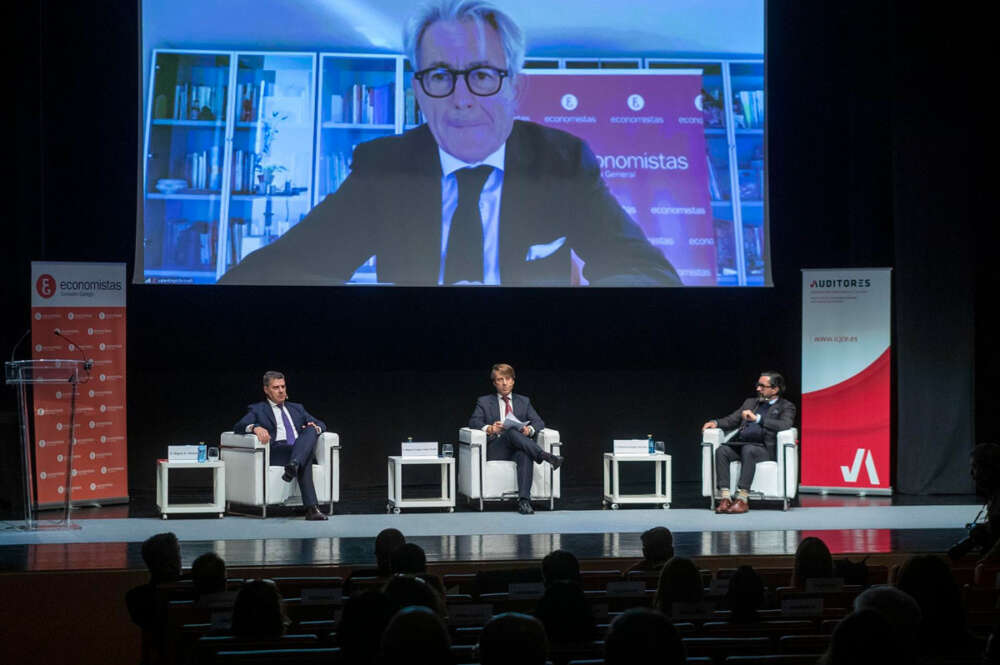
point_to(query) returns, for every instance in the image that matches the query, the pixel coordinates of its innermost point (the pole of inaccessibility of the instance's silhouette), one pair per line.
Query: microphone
(88, 364)
(13, 351)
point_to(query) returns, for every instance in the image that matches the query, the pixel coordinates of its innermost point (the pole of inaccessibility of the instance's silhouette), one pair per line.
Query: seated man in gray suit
(760, 419)
(512, 444)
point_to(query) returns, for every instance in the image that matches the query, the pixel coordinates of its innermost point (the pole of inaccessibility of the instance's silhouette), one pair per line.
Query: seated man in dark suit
(512, 444)
(472, 196)
(760, 419)
(292, 434)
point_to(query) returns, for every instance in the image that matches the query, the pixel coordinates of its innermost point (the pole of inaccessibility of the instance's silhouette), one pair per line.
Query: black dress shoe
(555, 460)
(291, 470)
(524, 507)
(313, 514)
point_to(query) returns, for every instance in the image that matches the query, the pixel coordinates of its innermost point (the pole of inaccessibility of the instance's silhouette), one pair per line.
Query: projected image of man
(473, 196)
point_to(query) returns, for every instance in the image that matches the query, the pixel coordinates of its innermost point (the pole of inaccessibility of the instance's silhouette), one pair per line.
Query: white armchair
(775, 480)
(252, 481)
(496, 480)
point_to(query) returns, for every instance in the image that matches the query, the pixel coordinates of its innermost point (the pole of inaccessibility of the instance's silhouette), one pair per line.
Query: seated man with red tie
(290, 432)
(512, 443)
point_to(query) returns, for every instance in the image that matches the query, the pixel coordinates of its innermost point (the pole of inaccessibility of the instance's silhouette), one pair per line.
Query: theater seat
(252, 481)
(774, 480)
(496, 480)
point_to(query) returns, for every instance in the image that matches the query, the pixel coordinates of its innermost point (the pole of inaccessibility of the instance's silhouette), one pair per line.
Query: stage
(110, 537)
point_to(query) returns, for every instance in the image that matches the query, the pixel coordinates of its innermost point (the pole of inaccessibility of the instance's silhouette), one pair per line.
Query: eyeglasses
(761, 385)
(481, 81)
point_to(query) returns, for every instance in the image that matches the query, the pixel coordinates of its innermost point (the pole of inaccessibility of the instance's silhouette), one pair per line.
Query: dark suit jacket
(487, 412)
(779, 417)
(261, 413)
(390, 206)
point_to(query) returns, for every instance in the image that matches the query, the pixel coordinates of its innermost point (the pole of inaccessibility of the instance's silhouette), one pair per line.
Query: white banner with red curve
(85, 304)
(846, 378)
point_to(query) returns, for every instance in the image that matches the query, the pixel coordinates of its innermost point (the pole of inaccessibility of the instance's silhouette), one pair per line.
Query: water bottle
(652, 444)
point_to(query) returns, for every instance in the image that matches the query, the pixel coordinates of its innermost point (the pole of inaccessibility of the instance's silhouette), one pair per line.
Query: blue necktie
(287, 422)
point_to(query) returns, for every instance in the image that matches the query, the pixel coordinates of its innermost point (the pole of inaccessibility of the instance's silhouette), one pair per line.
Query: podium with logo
(24, 376)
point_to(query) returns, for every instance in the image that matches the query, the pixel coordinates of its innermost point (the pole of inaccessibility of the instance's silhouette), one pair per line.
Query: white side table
(612, 484)
(218, 504)
(396, 500)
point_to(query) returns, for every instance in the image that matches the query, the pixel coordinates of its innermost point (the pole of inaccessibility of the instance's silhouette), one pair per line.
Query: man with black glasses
(472, 196)
(759, 420)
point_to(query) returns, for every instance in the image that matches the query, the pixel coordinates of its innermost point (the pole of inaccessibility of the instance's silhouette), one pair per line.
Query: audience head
(360, 627)
(658, 544)
(408, 559)
(928, 579)
(745, 594)
(259, 611)
(513, 638)
(415, 635)
(560, 566)
(985, 468)
(902, 613)
(386, 542)
(860, 639)
(566, 615)
(812, 561)
(208, 574)
(407, 590)
(162, 554)
(680, 582)
(643, 635)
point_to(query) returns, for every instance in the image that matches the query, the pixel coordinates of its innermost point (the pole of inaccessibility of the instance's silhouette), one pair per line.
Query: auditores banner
(647, 131)
(85, 302)
(846, 375)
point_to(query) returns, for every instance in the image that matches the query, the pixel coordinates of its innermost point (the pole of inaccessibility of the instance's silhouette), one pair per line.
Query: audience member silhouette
(565, 612)
(259, 611)
(407, 590)
(680, 582)
(745, 595)
(386, 542)
(560, 566)
(643, 635)
(812, 561)
(208, 574)
(513, 637)
(928, 579)
(657, 549)
(162, 555)
(361, 625)
(902, 613)
(860, 639)
(415, 635)
(408, 559)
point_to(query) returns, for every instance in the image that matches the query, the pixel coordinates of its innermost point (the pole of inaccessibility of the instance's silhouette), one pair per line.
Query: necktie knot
(471, 180)
(506, 408)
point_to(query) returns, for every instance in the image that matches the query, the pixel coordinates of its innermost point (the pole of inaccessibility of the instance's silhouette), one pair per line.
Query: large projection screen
(290, 143)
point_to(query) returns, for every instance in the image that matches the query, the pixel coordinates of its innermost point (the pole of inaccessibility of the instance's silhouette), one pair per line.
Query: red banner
(85, 304)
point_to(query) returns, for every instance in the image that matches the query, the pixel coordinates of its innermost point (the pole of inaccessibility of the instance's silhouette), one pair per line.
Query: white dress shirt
(502, 405)
(489, 209)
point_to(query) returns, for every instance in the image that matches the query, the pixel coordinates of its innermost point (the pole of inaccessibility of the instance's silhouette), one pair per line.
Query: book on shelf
(244, 171)
(333, 170)
(203, 169)
(364, 105)
(250, 99)
(199, 102)
(411, 110)
(748, 109)
(713, 181)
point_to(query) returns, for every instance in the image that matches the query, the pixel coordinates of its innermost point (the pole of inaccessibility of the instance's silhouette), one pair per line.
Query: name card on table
(719, 587)
(802, 607)
(471, 614)
(631, 446)
(824, 584)
(187, 453)
(420, 449)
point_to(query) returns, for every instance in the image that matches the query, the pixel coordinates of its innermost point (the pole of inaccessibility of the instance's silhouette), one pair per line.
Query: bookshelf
(228, 158)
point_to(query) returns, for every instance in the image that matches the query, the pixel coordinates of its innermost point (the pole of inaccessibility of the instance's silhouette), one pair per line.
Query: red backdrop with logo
(85, 302)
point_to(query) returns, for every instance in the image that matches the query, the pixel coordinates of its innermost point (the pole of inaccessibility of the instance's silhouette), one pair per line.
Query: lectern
(24, 375)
